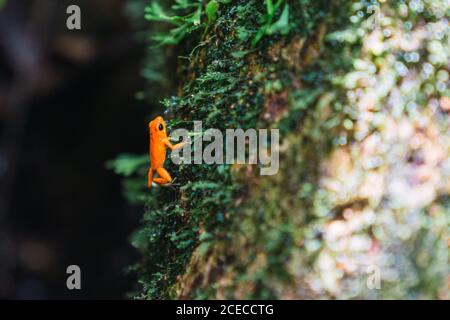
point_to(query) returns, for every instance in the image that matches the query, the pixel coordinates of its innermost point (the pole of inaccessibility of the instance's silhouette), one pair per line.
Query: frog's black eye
(160, 127)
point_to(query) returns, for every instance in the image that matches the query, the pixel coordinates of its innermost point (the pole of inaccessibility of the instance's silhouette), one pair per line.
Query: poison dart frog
(159, 141)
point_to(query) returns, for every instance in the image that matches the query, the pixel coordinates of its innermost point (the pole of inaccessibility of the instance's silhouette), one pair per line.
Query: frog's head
(158, 127)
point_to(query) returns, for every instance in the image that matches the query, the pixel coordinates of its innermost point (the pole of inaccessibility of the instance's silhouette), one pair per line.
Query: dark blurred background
(66, 107)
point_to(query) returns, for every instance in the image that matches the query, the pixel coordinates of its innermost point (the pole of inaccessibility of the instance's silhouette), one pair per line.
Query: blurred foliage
(362, 105)
(127, 164)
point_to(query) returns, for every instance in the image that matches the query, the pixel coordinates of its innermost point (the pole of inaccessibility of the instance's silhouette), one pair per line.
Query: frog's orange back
(157, 147)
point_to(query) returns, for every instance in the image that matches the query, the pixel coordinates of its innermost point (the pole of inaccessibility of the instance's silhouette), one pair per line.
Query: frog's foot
(170, 184)
(160, 181)
(164, 176)
(154, 184)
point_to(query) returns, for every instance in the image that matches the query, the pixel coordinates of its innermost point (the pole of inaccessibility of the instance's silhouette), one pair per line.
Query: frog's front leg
(164, 176)
(172, 146)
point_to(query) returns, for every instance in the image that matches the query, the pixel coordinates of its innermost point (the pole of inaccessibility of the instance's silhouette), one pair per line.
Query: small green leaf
(211, 10)
(239, 54)
(204, 247)
(205, 236)
(195, 19)
(269, 6)
(282, 25)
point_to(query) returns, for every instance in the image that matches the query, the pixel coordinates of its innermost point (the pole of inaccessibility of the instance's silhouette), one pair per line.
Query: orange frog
(159, 141)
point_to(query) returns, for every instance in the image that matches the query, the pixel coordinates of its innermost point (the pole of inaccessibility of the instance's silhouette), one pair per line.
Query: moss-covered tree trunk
(359, 91)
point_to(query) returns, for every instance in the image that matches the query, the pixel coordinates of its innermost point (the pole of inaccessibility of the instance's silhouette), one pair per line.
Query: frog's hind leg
(150, 177)
(164, 176)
